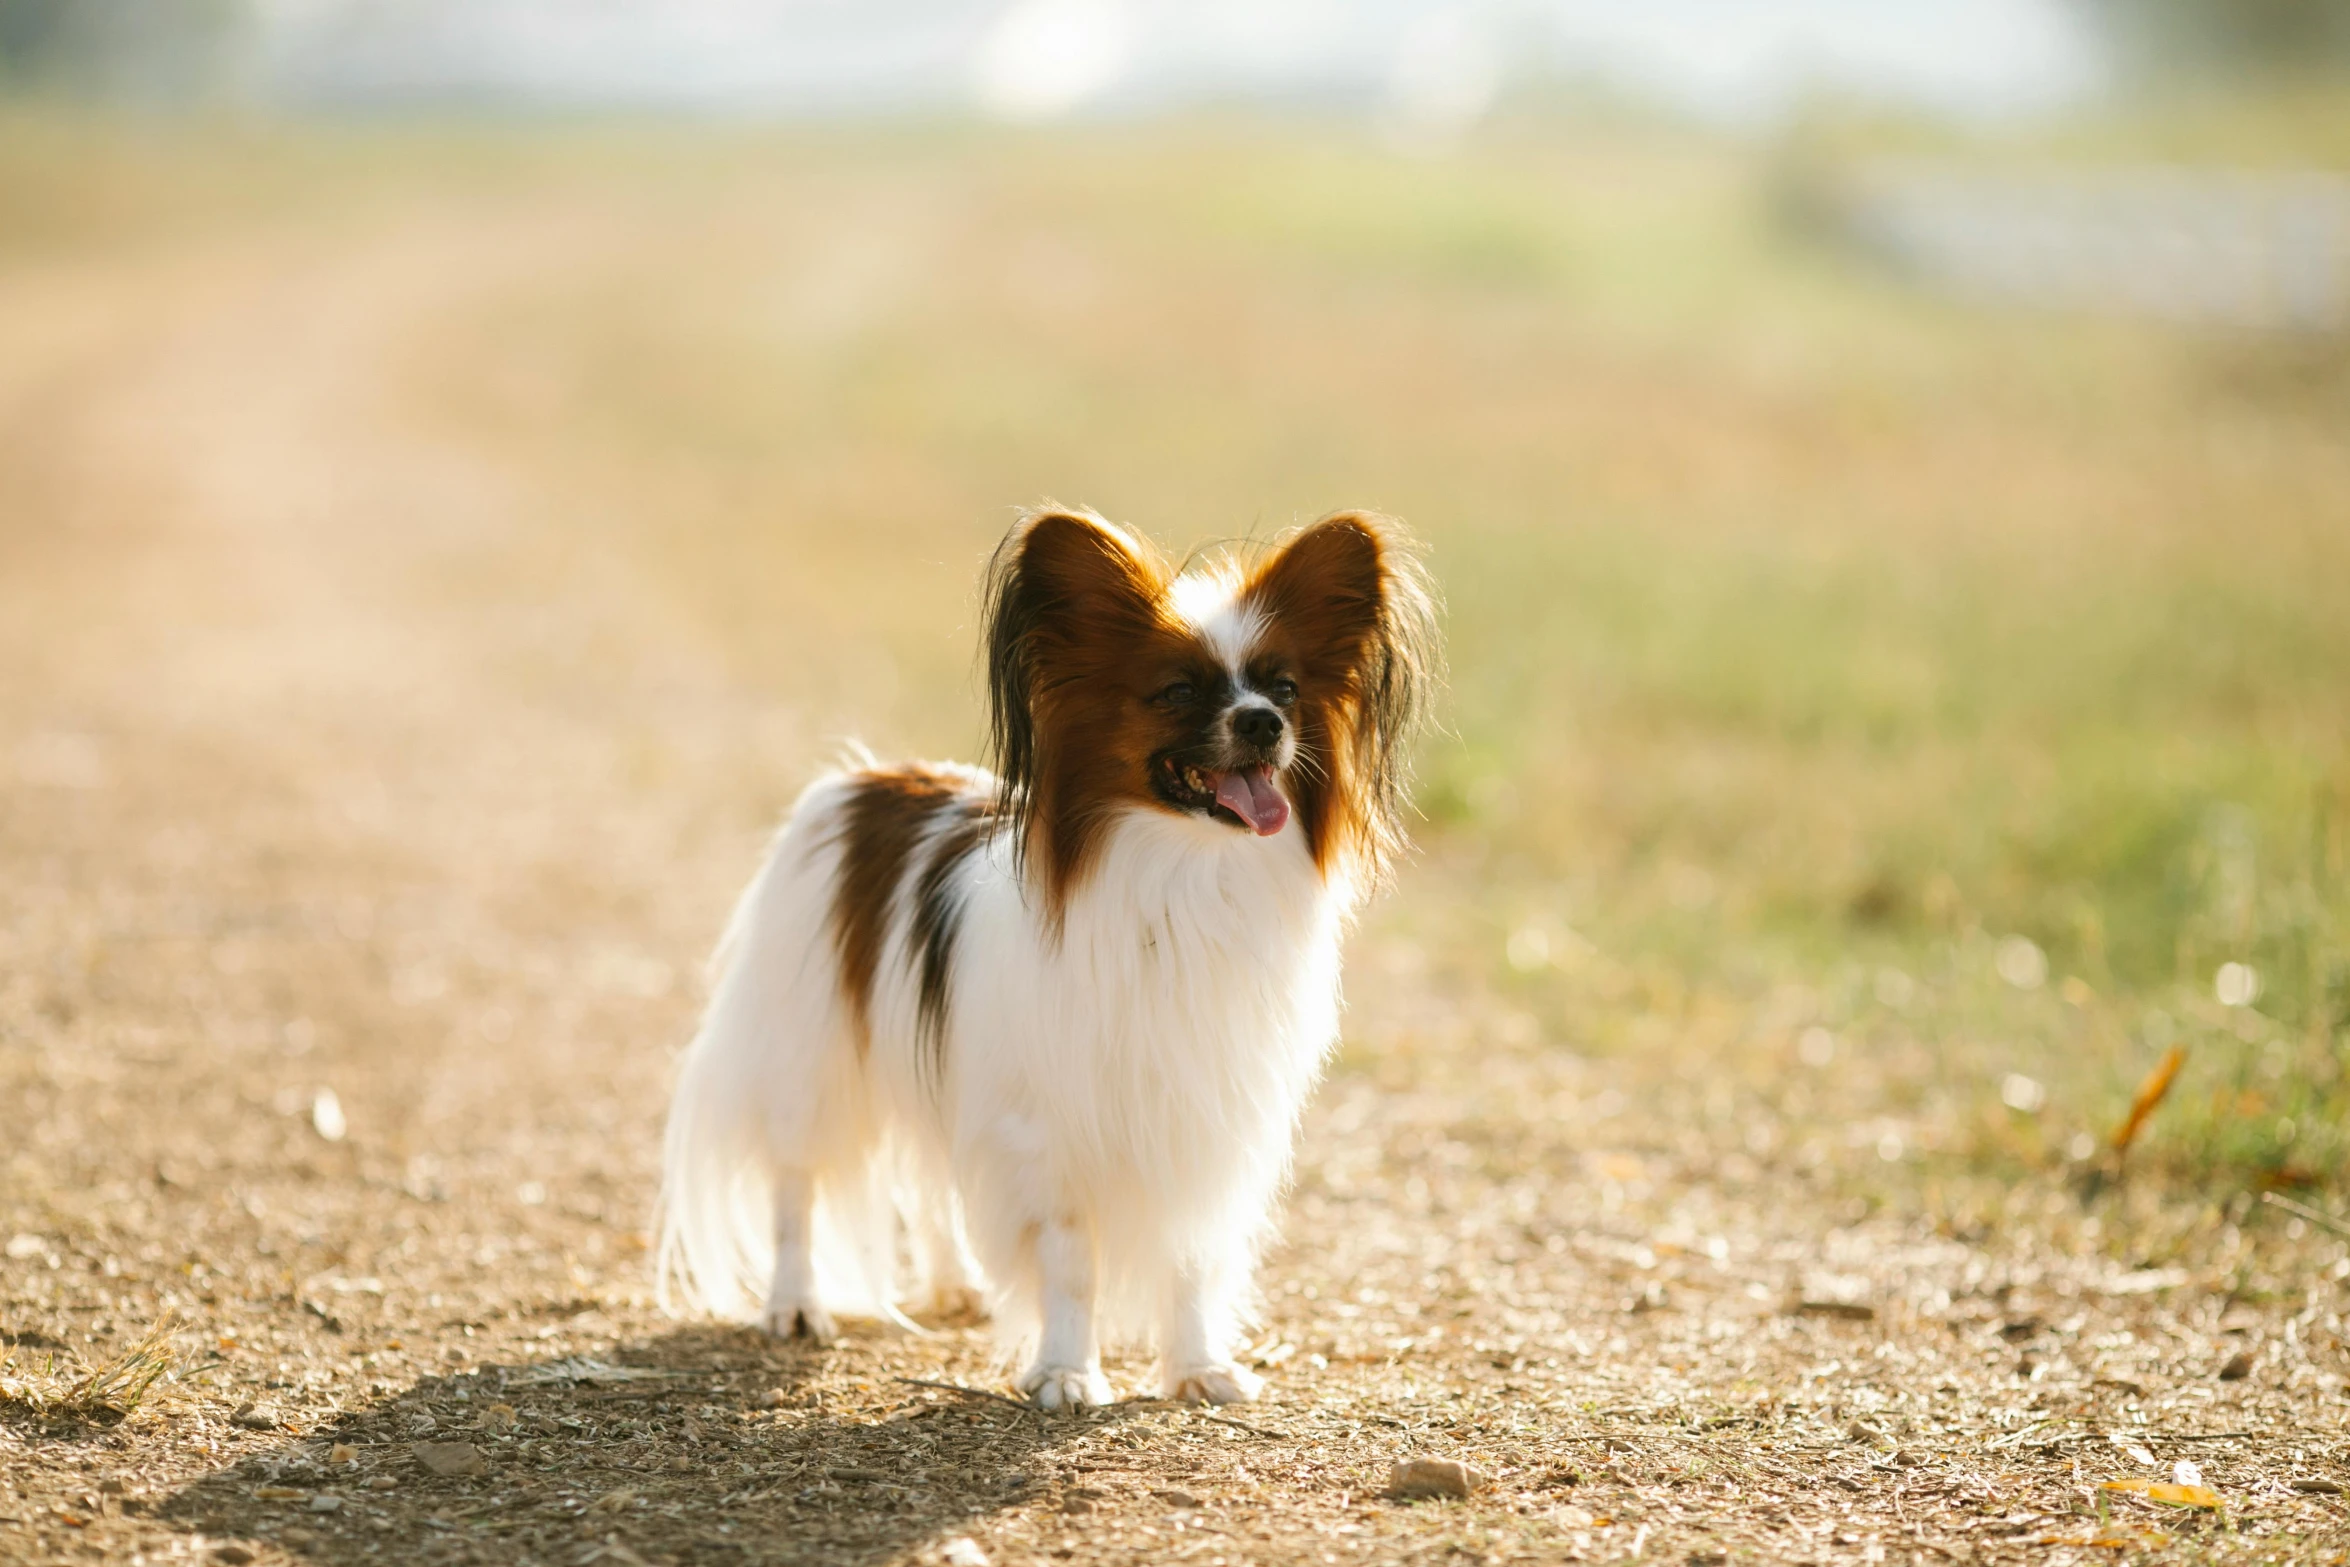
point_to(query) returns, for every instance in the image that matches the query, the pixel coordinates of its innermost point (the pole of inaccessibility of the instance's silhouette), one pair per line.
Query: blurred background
(1888, 465)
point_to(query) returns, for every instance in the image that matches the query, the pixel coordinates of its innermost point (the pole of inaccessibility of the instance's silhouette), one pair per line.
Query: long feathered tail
(770, 1092)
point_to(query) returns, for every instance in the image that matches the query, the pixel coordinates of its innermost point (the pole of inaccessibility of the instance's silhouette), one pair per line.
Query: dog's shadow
(707, 1444)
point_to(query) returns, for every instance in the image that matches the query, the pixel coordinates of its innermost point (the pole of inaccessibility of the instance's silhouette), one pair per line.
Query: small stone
(2239, 1366)
(233, 1555)
(2314, 1485)
(775, 1398)
(326, 1502)
(1177, 1498)
(295, 1537)
(1077, 1504)
(378, 1483)
(962, 1551)
(256, 1417)
(342, 1453)
(449, 1460)
(326, 1116)
(1419, 1477)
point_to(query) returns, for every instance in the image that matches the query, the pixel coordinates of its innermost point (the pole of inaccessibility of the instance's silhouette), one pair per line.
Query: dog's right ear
(1066, 591)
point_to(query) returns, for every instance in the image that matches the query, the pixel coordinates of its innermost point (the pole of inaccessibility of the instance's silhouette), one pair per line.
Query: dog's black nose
(1257, 726)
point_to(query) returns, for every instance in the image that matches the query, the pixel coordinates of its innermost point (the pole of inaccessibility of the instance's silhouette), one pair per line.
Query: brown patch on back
(889, 811)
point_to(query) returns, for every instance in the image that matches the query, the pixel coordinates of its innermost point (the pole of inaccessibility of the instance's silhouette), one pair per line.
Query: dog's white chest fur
(1162, 1042)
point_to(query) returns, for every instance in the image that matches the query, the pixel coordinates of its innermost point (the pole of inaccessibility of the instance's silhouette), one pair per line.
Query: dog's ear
(1326, 583)
(1348, 591)
(1065, 589)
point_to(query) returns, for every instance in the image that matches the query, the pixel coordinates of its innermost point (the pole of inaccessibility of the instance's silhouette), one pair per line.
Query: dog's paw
(1221, 1384)
(1066, 1387)
(799, 1319)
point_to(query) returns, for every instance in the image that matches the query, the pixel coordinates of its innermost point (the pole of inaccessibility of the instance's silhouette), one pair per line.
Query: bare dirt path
(363, 830)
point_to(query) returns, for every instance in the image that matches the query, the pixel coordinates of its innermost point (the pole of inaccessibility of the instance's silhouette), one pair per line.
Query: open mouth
(1240, 797)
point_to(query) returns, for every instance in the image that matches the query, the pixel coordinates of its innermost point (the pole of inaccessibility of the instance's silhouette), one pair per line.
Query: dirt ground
(362, 835)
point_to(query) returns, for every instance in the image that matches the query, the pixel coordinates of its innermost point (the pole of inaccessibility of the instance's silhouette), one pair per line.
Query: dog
(1052, 1027)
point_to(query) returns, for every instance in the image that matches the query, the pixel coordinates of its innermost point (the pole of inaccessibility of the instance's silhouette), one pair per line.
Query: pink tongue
(1253, 798)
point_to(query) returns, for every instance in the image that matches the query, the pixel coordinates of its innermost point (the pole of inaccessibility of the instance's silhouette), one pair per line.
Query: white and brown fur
(1059, 1021)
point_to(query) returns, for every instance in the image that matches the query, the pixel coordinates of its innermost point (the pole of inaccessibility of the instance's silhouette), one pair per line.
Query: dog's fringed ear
(1351, 584)
(1064, 588)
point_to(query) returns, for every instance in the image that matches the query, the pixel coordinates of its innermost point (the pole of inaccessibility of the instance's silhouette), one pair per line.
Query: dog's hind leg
(792, 1309)
(951, 1280)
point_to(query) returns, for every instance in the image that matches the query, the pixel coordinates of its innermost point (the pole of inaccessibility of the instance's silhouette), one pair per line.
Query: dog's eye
(1176, 695)
(1283, 692)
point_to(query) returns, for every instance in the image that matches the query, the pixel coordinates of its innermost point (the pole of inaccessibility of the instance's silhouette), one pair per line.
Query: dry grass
(109, 1390)
(428, 561)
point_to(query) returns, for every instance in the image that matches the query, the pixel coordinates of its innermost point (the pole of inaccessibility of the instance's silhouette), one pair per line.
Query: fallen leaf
(2150, 1094)
(278, 1493)
(342, 1453)
(2158, 1491)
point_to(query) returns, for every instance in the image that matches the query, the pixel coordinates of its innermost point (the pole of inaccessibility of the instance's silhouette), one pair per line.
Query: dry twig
(2302, 1210)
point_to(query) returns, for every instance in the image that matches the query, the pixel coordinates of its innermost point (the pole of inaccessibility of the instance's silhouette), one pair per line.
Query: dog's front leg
(1199, 1368)
(1068, 1369)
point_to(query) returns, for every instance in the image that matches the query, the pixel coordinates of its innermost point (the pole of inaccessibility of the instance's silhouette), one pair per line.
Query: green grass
(1811, 637)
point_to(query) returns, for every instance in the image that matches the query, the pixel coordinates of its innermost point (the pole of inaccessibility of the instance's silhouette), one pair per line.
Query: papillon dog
(1048, 1031)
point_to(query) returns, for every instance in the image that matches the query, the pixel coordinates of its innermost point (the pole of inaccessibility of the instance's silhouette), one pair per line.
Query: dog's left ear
(1349, 593)
(1065, 591)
